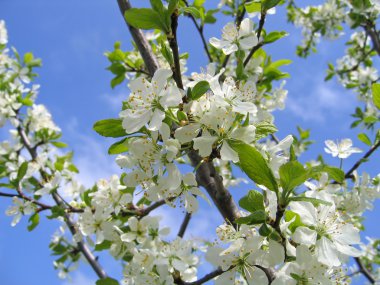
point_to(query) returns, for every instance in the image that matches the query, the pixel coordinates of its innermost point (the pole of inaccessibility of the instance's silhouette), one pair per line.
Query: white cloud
(321, 102)
(114, 101)
(78, 278)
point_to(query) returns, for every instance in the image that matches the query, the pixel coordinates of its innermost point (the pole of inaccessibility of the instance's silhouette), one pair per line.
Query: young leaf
(314, 201)
(365, 139)
(191, 10)
(34, 220)
(254, 165)
(22, 171)
(292, 174)
(110, 128)
(59, 144)
(253, 7)
(199, 89)
(268, 4)
(255, 218)
(254, 201)
(333, 172)
(107, 281)
(376, 94)
(119, 147)
(144, 18)
(274, 36)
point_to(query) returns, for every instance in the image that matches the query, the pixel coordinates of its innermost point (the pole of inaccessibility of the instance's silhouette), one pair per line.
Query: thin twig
(361, 160)
(260, 44)
(172, 38)
(200, 31)
(82, 247)
(365, 271)
(184, 225)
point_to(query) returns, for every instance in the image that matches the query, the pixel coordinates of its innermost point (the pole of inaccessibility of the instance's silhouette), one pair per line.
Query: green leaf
(292, 174)
(265, 230)
(199, 3)
(199, 89)
(103, 246)
(253, 7)
(314, 201)
(274, 36)
(268, 4)
(254, 165)
(110, 128)
(117, 80)
(107, 281)
(119, 147)
(144, 18)
(255, 218)
(333, 172)
(289, 215)
(59, 144)
(173, 4)
(365, 139)
(278, 63)
(34, 220)
(191, 10)
(56, 211)
(254, 201)
(22, 171)
(376, 94)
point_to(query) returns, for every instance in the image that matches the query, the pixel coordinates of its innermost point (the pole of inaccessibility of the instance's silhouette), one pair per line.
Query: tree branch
(82, 247)
(143, 46)
(361, 160)
(206, 173)
(371, 31)
(208, 177)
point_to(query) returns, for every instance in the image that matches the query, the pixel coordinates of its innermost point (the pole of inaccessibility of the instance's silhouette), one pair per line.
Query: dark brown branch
(365, 271)
(184, 225)
(206, 173)
(360, 161)
(373, 34)
(144, 212)
(172, 38)
(208, 177)
(143, 46)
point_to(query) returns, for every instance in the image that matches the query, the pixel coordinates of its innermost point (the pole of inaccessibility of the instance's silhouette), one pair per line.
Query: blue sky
(71, 37)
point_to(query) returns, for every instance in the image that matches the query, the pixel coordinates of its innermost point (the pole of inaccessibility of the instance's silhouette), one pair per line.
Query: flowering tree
(300, 225)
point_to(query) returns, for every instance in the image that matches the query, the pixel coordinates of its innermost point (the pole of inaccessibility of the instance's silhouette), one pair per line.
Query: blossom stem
(184, 225)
